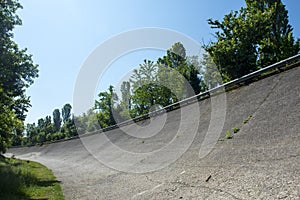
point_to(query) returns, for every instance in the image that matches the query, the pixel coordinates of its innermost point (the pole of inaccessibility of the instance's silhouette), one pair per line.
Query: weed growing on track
(235, 129)
(247, 119)
(228, 135)
(27, 180)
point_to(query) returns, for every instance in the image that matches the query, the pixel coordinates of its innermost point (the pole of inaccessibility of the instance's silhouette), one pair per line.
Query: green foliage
(160, 84)
(150, 87)
(145, 88)
(277, 41)
(154, 87)
(56, 136)
(66, 112)
(176, 59)
(69, 128)
(6, 127)
(46, 131)
(252, 38)
(228, 135)
(235, 129)
(245, 121)
(87, 122)
(27, 180)
(172, 84)
(125, 104)
(211, 75)
(148, 97)
(105, 107)
(17, 74)
(56, 120)
(246, 40)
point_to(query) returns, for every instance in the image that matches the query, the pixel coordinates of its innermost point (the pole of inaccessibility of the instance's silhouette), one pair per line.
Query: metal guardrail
(193, 99)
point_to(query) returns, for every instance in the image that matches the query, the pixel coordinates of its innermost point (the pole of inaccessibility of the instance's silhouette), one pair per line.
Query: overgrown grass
(27, 180)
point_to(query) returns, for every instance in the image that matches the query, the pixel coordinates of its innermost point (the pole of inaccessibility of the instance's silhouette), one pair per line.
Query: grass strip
(21, 179)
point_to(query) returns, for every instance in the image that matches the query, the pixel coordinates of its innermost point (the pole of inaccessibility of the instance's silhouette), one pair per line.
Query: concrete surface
(262, 161)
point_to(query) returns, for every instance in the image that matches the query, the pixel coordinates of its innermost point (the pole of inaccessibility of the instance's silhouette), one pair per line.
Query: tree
(40, 133)
(146, 73)
(211, 75)
(48, 126)
(176, 59)
(87, 122)
(31, 133)
(92, 121)
(69, 128)
(143, 81)
(105, 107)
(125, 104)
(147, 89)
(196, 74)
(164, 82)
(56, 120)
(234, 52)
(7, 121)
(252, 38)
(149, 95)
(125, 90)
(17, 74)
(278, 42)
(66, 112)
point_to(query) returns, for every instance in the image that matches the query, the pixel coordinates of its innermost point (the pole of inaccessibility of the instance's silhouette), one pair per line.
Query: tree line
(246, 40)
(60, 126)
(153, 85)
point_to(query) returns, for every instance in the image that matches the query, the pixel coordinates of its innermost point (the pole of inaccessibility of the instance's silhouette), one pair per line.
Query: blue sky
(62, 33)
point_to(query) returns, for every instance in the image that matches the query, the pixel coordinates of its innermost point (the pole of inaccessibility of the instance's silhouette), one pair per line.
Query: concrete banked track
(262, 161)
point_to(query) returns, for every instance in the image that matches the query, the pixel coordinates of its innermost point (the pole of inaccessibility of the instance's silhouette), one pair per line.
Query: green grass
(27, 180)
(235, 129)
(245, 121)
(228, 135)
